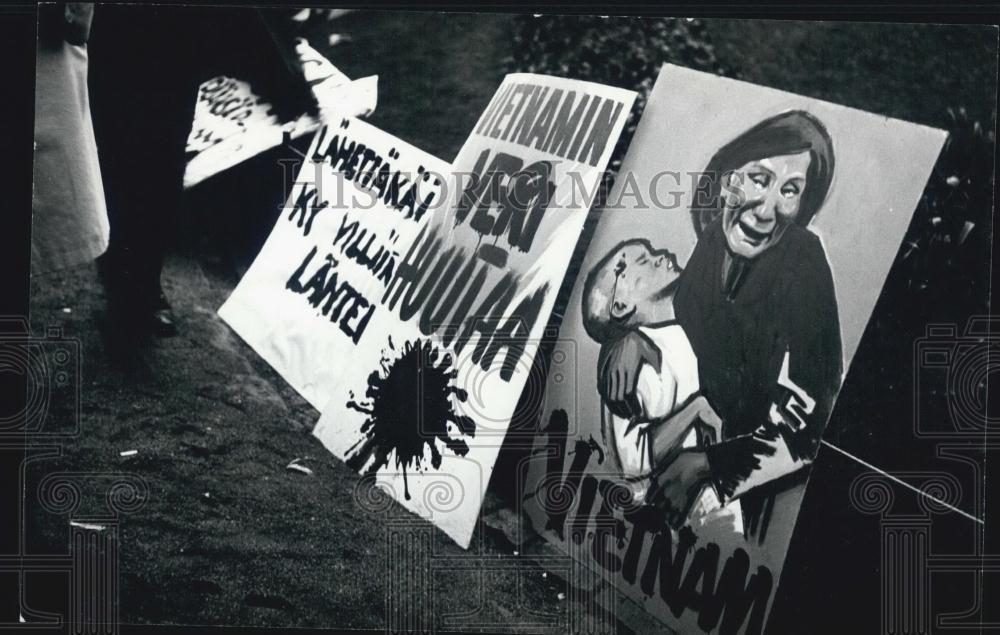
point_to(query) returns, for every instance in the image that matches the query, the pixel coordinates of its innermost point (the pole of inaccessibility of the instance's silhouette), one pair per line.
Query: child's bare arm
(667, 435)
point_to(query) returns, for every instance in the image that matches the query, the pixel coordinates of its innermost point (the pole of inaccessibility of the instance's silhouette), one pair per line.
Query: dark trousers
(143, 86)
(146, 64)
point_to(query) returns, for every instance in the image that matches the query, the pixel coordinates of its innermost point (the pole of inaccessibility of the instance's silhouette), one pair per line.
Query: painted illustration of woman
(756, 301)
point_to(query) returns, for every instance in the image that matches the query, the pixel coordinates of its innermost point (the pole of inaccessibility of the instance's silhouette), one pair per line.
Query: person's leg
(142, 179)
(143, 108)
(165, 211)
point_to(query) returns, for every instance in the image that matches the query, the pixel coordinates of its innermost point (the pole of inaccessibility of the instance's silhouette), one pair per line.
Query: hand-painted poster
(729, 280)
(425, 403)
(231, 124)
(309, 300)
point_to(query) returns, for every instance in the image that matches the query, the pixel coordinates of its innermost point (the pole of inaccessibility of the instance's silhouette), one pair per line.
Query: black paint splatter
(409, 406)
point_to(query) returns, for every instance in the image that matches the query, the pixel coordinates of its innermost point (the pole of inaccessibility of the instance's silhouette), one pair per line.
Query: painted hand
(708, 424)
(677, 487)
(669, 434)
(618, 368)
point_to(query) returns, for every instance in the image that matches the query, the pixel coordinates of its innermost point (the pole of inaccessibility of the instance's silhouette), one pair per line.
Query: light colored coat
(69, 223)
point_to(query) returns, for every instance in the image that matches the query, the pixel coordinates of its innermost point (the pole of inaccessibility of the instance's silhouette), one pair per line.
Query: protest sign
(232, 124)
(429, 392)
(730, 277)
(310, 296)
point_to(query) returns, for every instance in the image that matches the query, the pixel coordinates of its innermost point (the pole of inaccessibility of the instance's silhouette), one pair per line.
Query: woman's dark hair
(790, 132)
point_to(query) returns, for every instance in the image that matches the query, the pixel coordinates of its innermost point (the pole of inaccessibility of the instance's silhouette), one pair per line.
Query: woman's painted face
(761, 200)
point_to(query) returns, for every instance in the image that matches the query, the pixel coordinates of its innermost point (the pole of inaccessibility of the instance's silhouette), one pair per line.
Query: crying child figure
(632, 287)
